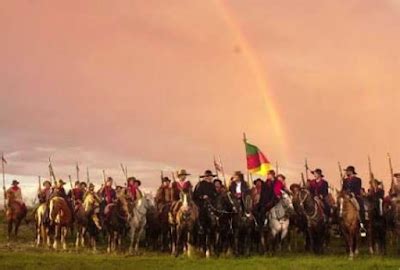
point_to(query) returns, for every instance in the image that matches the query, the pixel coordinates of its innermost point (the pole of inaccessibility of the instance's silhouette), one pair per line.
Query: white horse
(137, 221)
(278, 218)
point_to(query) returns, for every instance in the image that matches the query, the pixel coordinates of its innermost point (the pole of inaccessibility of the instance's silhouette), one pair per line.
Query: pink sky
(166, 85)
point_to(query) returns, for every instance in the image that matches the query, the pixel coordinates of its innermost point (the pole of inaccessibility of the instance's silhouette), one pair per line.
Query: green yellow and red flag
(257, 162)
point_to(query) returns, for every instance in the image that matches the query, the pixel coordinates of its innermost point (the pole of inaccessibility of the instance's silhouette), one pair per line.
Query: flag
(218, 165)
(256, 161)
(3, 159)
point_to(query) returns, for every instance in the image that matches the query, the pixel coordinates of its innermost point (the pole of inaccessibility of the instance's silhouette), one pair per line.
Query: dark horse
(375, 224)
(115, 221)
(312, 211)
(223, 210)
(243, 223)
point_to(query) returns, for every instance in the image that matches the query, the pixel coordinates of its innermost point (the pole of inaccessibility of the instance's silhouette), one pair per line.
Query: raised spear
(391, 172)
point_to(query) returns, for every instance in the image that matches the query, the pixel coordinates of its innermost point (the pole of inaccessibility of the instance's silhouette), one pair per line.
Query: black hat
(217, 180)
(271, 172)
(396, 175)
(257, 180)
(165, 179)
(138, 182)
(350, 169)
(208, 173)
(46, 181)
(318, 171)
(15, 182)
(132, 178)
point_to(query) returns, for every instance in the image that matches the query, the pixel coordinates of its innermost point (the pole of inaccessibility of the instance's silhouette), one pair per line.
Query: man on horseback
(76, 194)
(319, 189)
(204, 193)
(15, 192)
(258, 206)
(164, 194)
(219, 187)
(267, 191)
(96, 204)
(107, 192)
(133, 188)
(353, 185)
(395, 189)
(239, 188)
(182, 185)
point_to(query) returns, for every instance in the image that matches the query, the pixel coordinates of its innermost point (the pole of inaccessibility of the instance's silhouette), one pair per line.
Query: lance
(72, 188)
(104, 177)
(303, 181)
(341, 173)
(391, 172)
(40, 182)
(124, 171)
(3, 162)
(51, 170)
(173, 176)
(162, 176)
(223, 171)
(77, 171)
(371, 174)
(307, 169)
(87, 175)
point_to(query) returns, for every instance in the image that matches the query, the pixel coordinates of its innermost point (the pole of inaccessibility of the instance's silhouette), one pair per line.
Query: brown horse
(15, 213)
(60, 216)
(312, 211)
(183, 224)
(87, 221)
(349, 222)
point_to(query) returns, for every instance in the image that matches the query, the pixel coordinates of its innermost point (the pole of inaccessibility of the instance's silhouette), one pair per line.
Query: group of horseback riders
(264, 194)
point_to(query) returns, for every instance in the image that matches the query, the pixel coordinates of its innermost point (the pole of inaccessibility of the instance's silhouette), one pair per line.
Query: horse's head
(286, 201)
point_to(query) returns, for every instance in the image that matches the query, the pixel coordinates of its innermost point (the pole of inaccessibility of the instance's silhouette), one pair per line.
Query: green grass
(21, 254)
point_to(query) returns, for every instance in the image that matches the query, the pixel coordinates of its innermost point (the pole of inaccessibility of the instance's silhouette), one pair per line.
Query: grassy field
(21, 254)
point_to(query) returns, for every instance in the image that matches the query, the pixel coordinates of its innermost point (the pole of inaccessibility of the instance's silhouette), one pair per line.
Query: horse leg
(83, 234)
(64, 231)
(78, 233)
(56, 235)
(109, 239)
(16, 227)
(10, 227)
(132, 240)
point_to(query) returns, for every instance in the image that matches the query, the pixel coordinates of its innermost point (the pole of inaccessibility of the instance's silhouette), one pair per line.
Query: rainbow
(257, 70)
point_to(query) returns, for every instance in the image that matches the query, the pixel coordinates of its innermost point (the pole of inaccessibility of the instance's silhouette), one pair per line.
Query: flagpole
(87, 175)
(245, 150)
(4, 179)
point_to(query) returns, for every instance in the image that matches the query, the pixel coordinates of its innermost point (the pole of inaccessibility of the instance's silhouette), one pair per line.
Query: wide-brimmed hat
(15, 182)
(396, 175)
(165, 179)
(317, 171)
(208, 173)
(91, 185)
(376, 181)
(77, 183)
(137, 181)
(60, 182)
(257, 180)
(350, 169)
(217, 180)
(109, 179)
(132, 178)
(183, 172)
(271, 172)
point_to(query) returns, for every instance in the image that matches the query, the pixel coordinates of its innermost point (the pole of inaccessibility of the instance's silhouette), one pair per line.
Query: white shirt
(238, 187)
